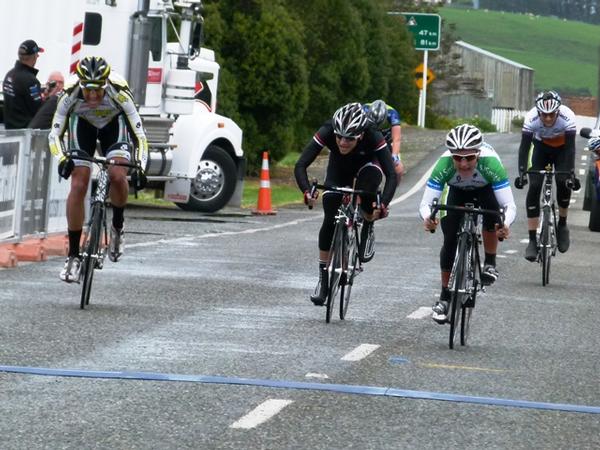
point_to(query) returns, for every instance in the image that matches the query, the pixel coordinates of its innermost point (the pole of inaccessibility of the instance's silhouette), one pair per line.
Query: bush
(517, 122)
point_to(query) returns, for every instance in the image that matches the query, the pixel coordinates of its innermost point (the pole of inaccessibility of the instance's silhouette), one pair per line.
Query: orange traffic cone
(264, 193)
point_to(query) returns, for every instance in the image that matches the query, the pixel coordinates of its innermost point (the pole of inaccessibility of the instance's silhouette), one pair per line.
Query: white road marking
(360, 352)
(511, 252)
(418, 185)
(524, 241)
(581, 171)
(573, 200)
(500, 256)
(421, 313)
(584, 157)
(322, 376)
(261, 413)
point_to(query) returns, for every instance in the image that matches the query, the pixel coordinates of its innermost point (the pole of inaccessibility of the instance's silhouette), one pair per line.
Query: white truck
(195, 154)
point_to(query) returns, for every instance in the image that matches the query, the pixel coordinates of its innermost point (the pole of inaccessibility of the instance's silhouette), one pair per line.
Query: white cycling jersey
(553, 136)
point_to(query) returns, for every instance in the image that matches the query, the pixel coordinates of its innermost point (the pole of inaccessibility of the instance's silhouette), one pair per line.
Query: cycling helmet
(464, 137)
(547, 102)
(350, 120)
(594, 144)
(93, 72)
(376, 112)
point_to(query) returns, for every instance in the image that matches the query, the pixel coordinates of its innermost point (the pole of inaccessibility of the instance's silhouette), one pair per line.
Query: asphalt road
(203, 337)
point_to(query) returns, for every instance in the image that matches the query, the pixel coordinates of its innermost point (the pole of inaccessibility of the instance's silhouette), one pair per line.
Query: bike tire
(546, 248)
(466, 314)
(335, 268)
(90, 252)
(456, 300)
(351, 266)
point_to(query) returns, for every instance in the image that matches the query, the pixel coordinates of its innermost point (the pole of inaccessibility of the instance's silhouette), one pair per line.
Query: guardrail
(32, 197)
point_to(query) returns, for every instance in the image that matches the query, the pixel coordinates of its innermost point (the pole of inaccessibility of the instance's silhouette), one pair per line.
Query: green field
(563, 53)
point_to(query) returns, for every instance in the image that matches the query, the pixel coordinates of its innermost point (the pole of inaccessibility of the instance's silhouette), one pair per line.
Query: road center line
(261, 413)
(360, 352)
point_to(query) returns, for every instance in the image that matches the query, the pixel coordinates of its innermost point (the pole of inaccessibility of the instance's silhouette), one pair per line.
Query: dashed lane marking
(261, 413)
(360, 352)
(421, 313)
(321, 376)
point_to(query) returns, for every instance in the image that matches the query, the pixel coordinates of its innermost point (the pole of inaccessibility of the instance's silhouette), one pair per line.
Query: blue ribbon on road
(340, 388)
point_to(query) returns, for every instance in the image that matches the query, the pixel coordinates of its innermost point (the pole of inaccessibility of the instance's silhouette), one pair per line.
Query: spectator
(50, 92)
(22, 90)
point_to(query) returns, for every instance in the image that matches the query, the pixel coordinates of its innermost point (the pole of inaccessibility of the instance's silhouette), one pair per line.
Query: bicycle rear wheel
(335, 267)
(90, 254)
(546, 247)
(351, 265)
(458, 290)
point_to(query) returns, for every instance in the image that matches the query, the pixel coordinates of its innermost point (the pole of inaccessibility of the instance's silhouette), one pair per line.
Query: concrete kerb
(33, 249)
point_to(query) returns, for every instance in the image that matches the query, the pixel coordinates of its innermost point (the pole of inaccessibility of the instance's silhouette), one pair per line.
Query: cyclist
(469, 171)
(96, 105)
(550, 126)
(356, 151)
(387, 120)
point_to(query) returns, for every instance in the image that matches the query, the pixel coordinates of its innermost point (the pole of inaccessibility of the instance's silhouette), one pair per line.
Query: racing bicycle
(465, 277)
(546, 232)
(344, 259)
(95, 239)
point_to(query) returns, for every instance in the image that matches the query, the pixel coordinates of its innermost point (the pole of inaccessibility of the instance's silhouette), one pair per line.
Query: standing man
(50, 92)
(22, 90)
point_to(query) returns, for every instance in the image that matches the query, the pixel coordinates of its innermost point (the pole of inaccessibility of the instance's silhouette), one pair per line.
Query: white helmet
(464, 137)
(547, 102)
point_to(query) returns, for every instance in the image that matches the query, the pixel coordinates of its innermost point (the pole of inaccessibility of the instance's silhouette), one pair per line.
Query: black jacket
(22, 96)
(43, 118)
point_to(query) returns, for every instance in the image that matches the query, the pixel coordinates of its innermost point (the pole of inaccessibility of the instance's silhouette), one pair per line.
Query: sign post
(426, 31)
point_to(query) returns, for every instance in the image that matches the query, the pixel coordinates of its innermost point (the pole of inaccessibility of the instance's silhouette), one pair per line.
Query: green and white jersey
(489, 170)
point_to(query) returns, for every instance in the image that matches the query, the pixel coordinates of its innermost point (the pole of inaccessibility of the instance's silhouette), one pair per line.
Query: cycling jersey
(553, 136)
(489, 171)
(117, 100)
(342, 169)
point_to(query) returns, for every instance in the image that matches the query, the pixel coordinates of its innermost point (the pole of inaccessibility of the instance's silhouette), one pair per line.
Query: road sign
(426, 30)
(419, 76)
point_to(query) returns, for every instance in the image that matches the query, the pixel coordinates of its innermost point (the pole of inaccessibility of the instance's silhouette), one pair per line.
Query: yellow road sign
(419, 76)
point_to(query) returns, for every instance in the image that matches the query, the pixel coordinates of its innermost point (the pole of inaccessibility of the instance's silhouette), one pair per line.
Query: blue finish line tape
(340, 388)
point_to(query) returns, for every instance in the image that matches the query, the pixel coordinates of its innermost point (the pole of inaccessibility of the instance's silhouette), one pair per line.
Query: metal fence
(32, 197)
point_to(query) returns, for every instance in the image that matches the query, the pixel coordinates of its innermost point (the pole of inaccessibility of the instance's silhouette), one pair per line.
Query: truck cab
(195, 154)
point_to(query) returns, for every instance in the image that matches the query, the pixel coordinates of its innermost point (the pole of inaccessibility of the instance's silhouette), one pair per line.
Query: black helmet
(547, 102)
(377, 112)
(350, 120)
(93, 72)
(464, 137)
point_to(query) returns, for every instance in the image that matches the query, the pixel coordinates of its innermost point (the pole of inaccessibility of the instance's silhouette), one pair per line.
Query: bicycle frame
(465, 276)
(344, 263)
(96, 236)
(546, 231)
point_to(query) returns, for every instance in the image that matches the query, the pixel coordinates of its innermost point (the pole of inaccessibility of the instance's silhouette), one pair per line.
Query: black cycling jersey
(22, 96)
(342, 169)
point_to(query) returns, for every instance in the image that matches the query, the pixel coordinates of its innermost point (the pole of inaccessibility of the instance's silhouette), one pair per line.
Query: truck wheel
(214, 183)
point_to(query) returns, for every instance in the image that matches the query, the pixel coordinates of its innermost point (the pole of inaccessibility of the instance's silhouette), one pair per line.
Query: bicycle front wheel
(90, 254)
(351, 266)
(546, 245)
(458, 289)
(335, 267)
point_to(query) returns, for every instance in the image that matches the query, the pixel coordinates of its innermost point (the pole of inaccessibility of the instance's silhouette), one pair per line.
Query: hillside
(563, 53)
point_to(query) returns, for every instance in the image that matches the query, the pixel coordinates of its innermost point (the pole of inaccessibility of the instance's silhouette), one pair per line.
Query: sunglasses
(347, 138)
(91, 87)
(469, 158)
(552, 114)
